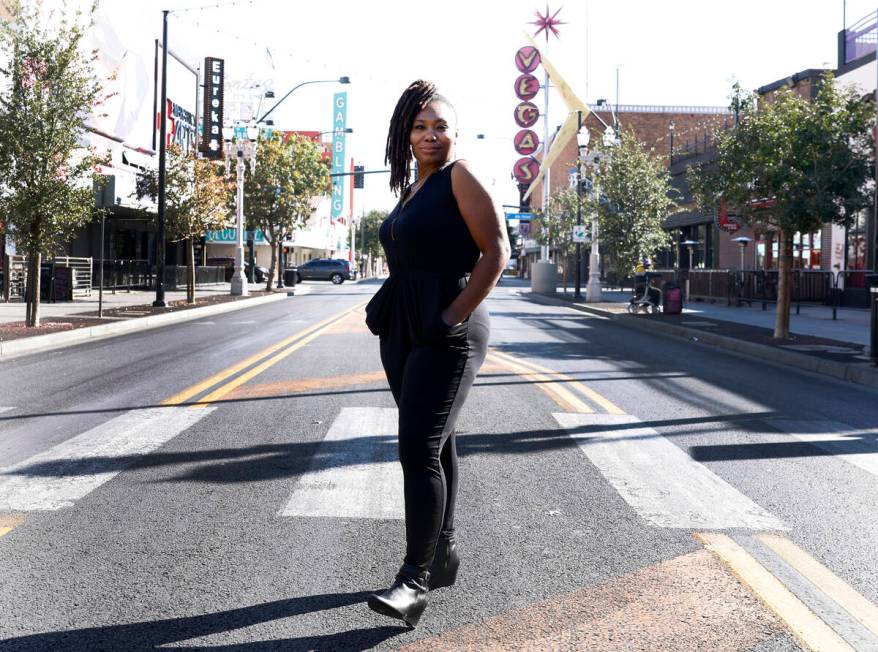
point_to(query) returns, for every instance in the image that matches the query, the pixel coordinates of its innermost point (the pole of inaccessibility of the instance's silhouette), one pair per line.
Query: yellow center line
(562, 396)
(606, 404)
(209, 382)
(806, 626)
(236, 382)
(824, 579)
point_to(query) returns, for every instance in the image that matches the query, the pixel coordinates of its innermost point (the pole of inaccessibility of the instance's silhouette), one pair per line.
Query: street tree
(790, 165)
(197, 193)
(280, 189)
(369, 243)
(557, 232)
(46, 174)
(632, 197)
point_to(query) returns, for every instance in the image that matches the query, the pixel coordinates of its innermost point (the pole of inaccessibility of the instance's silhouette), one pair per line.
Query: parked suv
(336, 270)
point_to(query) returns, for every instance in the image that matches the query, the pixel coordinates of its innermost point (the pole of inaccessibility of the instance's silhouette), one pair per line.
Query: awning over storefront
(688, 218)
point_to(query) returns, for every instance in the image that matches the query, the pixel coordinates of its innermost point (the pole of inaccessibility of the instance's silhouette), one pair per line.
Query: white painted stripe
(244, 323)
(855, 446)
(661, 482)
(58, 477)
(356, 471)
(6, 409)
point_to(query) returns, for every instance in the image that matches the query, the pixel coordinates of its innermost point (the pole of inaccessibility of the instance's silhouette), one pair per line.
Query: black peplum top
(429, 251)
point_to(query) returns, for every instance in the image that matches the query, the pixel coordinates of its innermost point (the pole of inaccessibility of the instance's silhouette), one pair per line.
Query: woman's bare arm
(488, 229)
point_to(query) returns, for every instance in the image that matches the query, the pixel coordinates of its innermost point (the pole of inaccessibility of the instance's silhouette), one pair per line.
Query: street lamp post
(341, 80)
(689, 244)
(163, 147)
(243, 148)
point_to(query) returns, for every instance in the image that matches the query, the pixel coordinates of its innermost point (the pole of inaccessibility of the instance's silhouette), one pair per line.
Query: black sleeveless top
(429, 251)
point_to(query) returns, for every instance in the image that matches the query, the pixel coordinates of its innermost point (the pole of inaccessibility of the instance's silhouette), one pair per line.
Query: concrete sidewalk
(15, 310)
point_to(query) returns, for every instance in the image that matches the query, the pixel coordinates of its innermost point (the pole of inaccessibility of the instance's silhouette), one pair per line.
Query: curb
(859, 374)
(50, 341)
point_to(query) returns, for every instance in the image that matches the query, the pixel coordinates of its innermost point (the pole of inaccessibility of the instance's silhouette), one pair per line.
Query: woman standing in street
(446, 246)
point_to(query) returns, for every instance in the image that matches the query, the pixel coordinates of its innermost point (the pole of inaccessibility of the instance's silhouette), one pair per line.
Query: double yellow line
(262, 360)
(556, 385)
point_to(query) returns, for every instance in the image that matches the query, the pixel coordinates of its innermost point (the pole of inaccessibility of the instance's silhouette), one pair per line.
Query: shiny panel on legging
(430, 384)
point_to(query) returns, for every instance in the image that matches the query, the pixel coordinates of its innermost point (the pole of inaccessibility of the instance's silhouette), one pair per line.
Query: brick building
(661, 128)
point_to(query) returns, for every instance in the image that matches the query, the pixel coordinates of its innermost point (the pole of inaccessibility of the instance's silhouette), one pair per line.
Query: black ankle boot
(406, 599)
(443, 572)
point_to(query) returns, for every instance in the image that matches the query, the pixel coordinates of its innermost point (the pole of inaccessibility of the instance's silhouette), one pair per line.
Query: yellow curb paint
(8, 522)
(609, 406)
(824, 579)
(811, 631)
(562, 396)
(224, 390)
(209, 382)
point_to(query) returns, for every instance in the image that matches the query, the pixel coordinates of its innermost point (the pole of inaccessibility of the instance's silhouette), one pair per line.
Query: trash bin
(672, 299)
(290, 276)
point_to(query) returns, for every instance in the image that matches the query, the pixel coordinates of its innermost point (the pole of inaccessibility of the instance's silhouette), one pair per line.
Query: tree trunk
(272, 243)
(784, 286)
(190, 270)
(33, 290)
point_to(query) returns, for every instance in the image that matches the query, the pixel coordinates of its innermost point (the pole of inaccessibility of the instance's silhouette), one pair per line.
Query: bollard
(872, 283)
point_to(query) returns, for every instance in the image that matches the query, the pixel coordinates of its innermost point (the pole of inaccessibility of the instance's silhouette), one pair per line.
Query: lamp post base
(239, 284)
(593, 289)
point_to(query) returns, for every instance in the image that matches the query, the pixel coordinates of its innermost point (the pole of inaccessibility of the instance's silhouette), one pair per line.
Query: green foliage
(279, 191)
(45, 172)
(810, 160)
(557, 231)
(197, 193)
(632, 198)
(368, 242)
(792, 165)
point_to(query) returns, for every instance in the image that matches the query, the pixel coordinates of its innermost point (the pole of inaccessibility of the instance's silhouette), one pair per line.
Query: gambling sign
(526, 142)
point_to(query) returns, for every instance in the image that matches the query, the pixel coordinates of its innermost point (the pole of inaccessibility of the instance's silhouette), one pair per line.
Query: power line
(215, 5)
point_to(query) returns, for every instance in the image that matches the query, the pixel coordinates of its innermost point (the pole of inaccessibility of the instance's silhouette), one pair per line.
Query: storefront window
(806, 251)
(856, 243)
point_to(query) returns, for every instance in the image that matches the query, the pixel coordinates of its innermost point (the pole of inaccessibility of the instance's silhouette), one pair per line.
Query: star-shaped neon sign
(547, 22)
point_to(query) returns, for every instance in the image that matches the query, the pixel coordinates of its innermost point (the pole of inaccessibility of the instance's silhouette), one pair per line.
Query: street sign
(579, 233)
(520, 216)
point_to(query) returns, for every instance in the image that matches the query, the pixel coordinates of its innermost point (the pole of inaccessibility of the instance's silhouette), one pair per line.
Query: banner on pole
(339, 124)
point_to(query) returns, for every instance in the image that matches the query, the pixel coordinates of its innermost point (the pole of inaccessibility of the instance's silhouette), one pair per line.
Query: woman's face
(433, 135)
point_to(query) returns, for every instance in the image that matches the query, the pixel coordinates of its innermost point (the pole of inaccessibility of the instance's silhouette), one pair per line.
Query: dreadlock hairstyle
(398, 152)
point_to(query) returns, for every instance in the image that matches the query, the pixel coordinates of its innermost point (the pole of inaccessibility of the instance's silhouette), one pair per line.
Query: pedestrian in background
(446, 246)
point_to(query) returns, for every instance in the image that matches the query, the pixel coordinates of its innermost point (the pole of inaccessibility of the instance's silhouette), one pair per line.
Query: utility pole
(163, 147)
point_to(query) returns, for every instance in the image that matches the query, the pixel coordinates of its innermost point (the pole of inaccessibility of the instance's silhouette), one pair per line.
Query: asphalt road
(204, 486)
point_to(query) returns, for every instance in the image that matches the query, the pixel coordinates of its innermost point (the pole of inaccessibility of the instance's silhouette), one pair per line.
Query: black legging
(430, 384)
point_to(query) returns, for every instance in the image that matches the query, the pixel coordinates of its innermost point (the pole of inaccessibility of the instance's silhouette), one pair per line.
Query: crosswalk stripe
(355, 472)
(841, 440)
(9, 522)
(824, 579)
(807, 627)
(6, 409)
(660, 481)
(61, 475)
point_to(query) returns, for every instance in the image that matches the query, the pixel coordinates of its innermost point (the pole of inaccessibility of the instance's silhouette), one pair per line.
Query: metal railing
(126, 274)
(79, 278)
